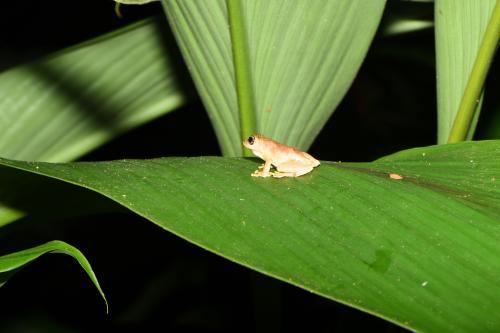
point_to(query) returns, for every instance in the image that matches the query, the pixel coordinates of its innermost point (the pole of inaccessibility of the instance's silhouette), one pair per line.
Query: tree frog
(288, 161)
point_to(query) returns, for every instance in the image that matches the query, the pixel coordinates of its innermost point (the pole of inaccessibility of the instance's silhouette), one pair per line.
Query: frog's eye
(251, 140)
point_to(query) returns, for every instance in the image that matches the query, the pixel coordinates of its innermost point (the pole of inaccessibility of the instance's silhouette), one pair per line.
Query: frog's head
(256, 143)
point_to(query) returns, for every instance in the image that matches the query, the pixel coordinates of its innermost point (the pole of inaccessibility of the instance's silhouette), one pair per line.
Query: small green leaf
(412, 237)
(302, 58)
(12, 262)
(407, 25)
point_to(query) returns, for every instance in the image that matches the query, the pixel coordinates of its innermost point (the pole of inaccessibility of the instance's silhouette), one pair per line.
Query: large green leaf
(421, 251)
(301, 57)
(464, 51)
(59, 108)
(62, 107)
(12, 262)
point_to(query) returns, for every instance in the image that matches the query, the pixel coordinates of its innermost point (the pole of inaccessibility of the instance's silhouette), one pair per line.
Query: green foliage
(421, 251)
(242, 69)
(61, 107)
(466, 39)
(12, 262)
(303, 57)
(347, 231)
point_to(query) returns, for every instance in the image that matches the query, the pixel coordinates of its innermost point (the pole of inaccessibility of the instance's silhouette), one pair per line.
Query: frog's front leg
(264, 172)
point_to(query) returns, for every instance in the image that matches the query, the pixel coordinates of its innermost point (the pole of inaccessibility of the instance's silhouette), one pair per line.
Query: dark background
(152, 278)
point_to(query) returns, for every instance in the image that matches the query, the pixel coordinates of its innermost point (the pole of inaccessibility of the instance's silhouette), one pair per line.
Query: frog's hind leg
(279, 174)
(291, 169)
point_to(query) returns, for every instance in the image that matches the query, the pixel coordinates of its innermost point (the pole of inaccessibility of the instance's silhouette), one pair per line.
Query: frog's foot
(258, 173)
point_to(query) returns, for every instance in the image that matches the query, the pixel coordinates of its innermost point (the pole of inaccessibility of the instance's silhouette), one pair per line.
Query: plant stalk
(241, 60)
(471, 97)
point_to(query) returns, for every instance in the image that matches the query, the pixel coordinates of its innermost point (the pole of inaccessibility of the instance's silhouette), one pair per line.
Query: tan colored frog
(288, 161)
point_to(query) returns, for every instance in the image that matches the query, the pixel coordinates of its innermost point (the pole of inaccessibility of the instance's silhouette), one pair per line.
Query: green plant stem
(241, 69)
(471, 97)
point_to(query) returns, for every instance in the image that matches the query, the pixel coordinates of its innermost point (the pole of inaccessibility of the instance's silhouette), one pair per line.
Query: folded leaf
(12, 262)
(412, 237)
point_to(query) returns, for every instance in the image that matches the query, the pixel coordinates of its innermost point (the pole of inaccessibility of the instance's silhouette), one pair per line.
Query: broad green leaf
(302, 57)
(60, 108)
(464, 51)
(12, 262)
(421, 251)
